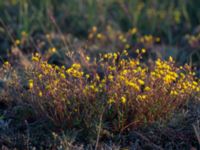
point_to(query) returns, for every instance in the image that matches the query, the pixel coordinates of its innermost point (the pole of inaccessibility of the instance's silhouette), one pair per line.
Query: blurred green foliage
(77, 16)
(170, 20)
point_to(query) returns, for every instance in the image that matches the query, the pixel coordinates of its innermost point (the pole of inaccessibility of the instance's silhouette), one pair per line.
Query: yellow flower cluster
(127, 86)
(164, 71)
(75, 71)
(36, 57)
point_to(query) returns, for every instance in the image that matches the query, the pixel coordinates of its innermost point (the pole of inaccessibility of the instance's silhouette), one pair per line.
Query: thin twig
(99, 131)
(197, 131)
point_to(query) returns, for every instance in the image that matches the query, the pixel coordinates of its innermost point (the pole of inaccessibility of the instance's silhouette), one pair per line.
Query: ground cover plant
(92, 74)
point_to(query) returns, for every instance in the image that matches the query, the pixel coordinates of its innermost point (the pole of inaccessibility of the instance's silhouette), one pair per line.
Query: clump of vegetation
(118, 92)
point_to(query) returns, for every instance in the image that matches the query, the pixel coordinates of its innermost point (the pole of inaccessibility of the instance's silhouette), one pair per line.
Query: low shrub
(116, 91)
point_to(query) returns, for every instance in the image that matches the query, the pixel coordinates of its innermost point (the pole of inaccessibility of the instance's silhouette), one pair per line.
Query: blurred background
(56, 27)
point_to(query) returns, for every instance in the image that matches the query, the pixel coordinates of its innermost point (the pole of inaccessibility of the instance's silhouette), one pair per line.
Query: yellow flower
(123, 100)
(124, 40)
(133, 85)
(143, 50)
(48, 36)
(94, 88)
(40, 76)
(182, 75)
(110, 77)
(6, 63)
(23, 33)
(87, 76)
(17, 42)
(125, 52)
(195, 83)
(170, 59)
(53, 49)
(47, 87)
(97, 77)
(141, 82)
(74, 71)
(121, 37)
(133, 31)
(141, 97)
(127, 46)
(36, 57)
(111, 100)
(94, 29)
(173, 92)
(111, 68)
(63, 75)
(157, 39)
(144, 97)
(88, 58)
(99, 36)
(147, 88)
(30, 83)
(40, 93)
(76, 66)
(115, 55)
